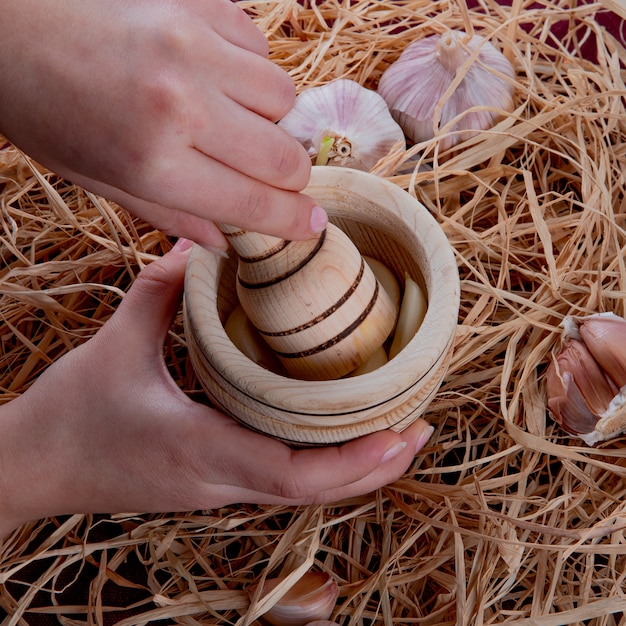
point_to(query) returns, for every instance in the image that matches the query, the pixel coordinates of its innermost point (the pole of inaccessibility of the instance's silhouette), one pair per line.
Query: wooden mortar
(384, 222)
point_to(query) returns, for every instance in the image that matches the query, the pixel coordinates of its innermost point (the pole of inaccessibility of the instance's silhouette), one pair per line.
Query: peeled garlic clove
(415, 87)
(248, 340)
(347, 122)
(378, 359)
(386, 278)
(605, 336)
(412, 312)
(312, 598)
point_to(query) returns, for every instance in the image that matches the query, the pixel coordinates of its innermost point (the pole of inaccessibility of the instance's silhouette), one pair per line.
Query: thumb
(146, 312)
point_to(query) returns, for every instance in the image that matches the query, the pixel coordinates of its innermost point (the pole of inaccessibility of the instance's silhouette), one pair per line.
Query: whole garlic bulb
(343, 123)
(416, 84)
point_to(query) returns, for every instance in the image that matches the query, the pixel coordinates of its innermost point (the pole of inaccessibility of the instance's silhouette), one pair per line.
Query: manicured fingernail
(422, 440)
(182, 245)
(319, 220)
(393, 452)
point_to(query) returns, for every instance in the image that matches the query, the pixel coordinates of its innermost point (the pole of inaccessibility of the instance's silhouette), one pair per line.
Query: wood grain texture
(384, 222)
(315, 302)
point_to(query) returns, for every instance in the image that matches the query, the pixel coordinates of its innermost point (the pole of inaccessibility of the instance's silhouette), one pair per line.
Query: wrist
(9, 466)
(27, 477)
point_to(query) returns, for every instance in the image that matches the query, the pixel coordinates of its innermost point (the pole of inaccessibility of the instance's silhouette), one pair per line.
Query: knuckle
(255, 207)
(290, 488)
(284, 93)
(153, 280)
(161, 97)
(291, 164)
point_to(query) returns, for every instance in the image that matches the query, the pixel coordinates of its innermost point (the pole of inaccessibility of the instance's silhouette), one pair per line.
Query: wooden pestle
(316, 302)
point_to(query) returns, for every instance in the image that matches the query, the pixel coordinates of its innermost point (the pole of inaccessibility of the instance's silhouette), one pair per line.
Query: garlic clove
(568, 406)
(589, 378)
(386, 278)
(411, 316)
(578, 391)
(343, 123)
(415, 87)
(605, 336)
(248, 340)
(378, 359)
(583, 394)
(312, 598)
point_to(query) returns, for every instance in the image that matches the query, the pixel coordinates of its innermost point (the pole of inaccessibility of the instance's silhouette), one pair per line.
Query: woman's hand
(167, 108)
(106, 429)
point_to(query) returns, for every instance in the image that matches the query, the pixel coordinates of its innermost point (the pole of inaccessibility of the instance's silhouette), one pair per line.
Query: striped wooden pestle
(316, 302)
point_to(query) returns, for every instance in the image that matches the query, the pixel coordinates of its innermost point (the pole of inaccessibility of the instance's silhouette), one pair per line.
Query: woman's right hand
(167, 108)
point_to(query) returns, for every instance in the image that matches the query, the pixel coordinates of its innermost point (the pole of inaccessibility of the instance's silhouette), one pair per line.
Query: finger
(198, 200)
(193, 183)
(415, 436)
(173, 222)
(255, 147)
(255, 83)
(232, 23)
(266, 466)
(146, 312)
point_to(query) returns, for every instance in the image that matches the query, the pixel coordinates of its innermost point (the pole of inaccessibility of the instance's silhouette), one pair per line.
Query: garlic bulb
(586, 380)
(343, 123)
(312, 598)
(416, 87)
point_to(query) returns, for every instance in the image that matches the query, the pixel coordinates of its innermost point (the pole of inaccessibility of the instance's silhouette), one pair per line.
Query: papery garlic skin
(605, 336)
(310, 599)
(355, 118)
(415, 87)
(578, 391)
(586, 381)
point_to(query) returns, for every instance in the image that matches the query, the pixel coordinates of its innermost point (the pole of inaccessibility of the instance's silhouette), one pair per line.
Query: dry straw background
(504, 518)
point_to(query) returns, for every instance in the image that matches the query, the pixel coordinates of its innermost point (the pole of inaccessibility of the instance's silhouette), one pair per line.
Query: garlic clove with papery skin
(583, 392)
(311, 598)
(578, 391)
(343, 123)
(429, 86)
(605, 336)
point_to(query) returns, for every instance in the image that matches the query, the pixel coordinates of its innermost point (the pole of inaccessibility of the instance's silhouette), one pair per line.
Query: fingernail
(422, 440)
(319, 220)
(182, 245)
(393, 451)
(216, 251)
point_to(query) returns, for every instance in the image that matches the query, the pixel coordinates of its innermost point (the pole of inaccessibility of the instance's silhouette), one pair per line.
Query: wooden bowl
(384, 222)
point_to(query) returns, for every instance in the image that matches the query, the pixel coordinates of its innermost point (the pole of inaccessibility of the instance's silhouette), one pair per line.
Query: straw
(504, 517)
